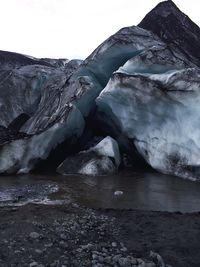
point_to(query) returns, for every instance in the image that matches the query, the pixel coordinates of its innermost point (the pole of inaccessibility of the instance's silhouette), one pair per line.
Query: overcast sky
(71, 28)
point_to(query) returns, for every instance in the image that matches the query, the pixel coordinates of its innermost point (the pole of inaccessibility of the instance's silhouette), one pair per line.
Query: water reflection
(146, 191)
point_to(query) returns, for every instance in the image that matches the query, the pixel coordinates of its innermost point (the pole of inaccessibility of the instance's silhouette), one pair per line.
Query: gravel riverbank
(42, 235)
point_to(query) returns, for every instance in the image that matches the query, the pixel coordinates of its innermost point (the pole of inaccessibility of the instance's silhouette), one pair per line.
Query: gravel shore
(42, 235)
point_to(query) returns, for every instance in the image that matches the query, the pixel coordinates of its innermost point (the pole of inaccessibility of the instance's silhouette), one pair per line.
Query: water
(144, 191)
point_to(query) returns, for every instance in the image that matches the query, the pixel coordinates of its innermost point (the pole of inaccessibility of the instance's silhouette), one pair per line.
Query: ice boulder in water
(102, 159)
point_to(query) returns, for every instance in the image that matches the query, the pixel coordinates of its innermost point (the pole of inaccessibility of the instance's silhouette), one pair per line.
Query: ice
(98, 167)
(118, 193)
(160, 112)
(86, 89)
(108, 147)
(102, 159)
(142, 84)
(24, 89)
(22, 155)
(116, 50)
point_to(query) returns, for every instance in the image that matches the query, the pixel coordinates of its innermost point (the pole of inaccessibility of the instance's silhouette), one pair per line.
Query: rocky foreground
(38, 235)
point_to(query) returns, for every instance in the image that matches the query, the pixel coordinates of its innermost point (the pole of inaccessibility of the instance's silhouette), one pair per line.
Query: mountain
(175, 29)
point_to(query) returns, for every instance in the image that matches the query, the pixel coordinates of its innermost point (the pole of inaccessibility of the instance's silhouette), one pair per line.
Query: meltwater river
(144, 191)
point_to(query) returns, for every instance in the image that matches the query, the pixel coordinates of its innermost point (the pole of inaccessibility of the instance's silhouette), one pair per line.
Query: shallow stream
(137, 190)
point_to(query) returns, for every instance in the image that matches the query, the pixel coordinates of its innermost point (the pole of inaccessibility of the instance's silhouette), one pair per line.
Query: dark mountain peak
(167, 4)
(164, 11)
(166, 8)
(174, 28)
(167, 13)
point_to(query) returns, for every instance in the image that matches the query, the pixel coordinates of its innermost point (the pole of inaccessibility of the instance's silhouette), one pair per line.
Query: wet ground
(126, 190)
(78, 221)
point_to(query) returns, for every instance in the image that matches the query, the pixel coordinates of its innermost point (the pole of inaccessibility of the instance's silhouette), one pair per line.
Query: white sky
(71, 28)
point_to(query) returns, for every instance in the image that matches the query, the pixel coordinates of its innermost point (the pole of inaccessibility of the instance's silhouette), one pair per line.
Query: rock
(124, 262)
(140, 261)
(63, 244)
(114, 244)
(94, 256)
(157, 259)
(102, 159)
(63, 236)
(100, 259)
(124, 249)
(17, 252)
(33, 264)
(49, 245)
(175, 29)
(104, 250)
(38, 251)
(118, 193)
(116, 258)
(34, 235)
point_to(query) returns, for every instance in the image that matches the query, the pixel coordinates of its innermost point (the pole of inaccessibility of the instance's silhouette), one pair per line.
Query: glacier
(21, 155)
(160, 114)
(140, 87)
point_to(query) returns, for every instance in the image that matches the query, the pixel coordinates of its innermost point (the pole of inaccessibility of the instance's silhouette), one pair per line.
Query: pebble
(49, 245)
(34, 235)
(38, 251)
(94, 256)
(140, 261)
(100, 259)
(124, 249)
(102, 253)
(63, 244)
(116, 258)
(17, 251)
(33, 264)
(107, 259)
(124, 262)
(114, 244)
(118, 193)
(104, 250)
(87, 247)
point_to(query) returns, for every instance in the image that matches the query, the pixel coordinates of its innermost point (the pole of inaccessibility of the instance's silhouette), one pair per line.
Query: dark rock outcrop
(175, 29)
